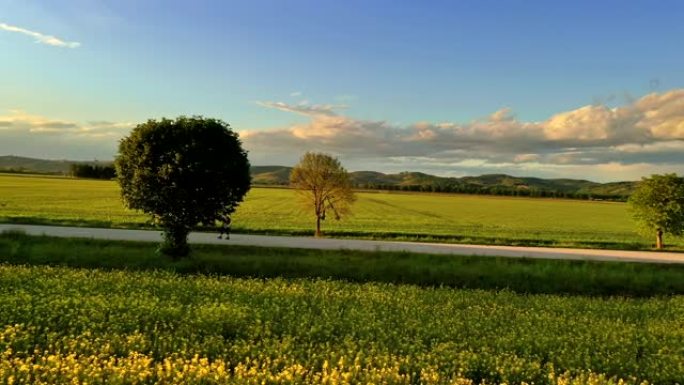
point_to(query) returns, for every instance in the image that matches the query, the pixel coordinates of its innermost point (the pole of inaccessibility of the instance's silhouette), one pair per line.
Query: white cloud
(304, 108)
(20, 121)
(590, 142)
(38, 136)
(585, 123)
(658, 147)
(662, 115)
(526, 158)
(40, 38)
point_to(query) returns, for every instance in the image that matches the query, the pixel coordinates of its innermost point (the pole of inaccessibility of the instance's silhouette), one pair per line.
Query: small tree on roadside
(183, 172)
(658, 205)
(324, 186)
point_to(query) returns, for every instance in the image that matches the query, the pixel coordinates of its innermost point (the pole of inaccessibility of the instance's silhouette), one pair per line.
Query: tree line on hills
(92, 171)
(494, 190)
(500, 185)
(495, 184)
(108, 172)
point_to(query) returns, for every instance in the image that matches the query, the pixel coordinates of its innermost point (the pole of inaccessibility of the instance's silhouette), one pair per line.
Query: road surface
(353, 244)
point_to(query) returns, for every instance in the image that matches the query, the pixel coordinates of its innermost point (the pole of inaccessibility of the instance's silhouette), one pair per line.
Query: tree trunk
(175, 243)
(659, 239)
(318, 227)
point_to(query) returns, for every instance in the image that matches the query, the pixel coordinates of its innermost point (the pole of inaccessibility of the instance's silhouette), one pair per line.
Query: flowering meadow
(78, 326)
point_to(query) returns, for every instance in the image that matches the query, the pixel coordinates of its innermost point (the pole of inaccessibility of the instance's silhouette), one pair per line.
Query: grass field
(417, 216)
(532, 276)
(74, 326)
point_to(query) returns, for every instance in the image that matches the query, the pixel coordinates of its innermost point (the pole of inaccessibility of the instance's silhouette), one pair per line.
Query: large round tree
(183, 172)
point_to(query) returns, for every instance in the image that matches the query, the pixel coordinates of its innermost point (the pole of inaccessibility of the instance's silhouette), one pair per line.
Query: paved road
(351, 244)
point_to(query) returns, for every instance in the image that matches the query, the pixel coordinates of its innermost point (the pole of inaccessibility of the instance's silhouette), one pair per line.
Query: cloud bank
(644, 136)
(593, 142)
(39, 37)
(41, 137)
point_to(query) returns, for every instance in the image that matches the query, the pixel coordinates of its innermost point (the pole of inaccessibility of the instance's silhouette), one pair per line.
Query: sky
(582, 89)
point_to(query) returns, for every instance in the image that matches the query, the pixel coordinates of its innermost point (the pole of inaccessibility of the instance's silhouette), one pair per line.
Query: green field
(529, 276)
(451, 218)
(64, 326)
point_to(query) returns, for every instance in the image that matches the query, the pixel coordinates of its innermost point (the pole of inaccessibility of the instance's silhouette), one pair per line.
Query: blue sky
(376, 69)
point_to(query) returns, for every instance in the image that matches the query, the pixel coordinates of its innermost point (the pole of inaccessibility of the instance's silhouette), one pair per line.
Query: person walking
(225, 226)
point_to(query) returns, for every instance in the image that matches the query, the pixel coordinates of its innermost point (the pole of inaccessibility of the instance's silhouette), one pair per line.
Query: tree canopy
(183, 172)
(324, 187)
(658, 205)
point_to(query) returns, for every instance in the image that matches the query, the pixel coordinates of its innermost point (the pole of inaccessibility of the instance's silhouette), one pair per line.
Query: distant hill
(18, 163)
(496, 184)
(11, 163)
(270, 175)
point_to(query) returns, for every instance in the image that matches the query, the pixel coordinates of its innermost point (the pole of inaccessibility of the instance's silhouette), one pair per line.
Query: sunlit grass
(438, 217)
(534, 276)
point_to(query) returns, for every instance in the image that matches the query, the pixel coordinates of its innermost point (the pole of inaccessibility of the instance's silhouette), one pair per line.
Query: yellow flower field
(71, 326)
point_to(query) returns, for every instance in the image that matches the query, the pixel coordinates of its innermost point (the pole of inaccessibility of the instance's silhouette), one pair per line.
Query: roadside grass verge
(519, 240)
(531, 276)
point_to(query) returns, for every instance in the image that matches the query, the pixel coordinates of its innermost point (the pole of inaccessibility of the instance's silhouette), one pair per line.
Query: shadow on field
(532, 276)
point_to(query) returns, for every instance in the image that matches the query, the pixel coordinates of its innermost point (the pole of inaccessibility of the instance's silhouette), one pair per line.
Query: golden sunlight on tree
(323, 186)
(658, 205)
